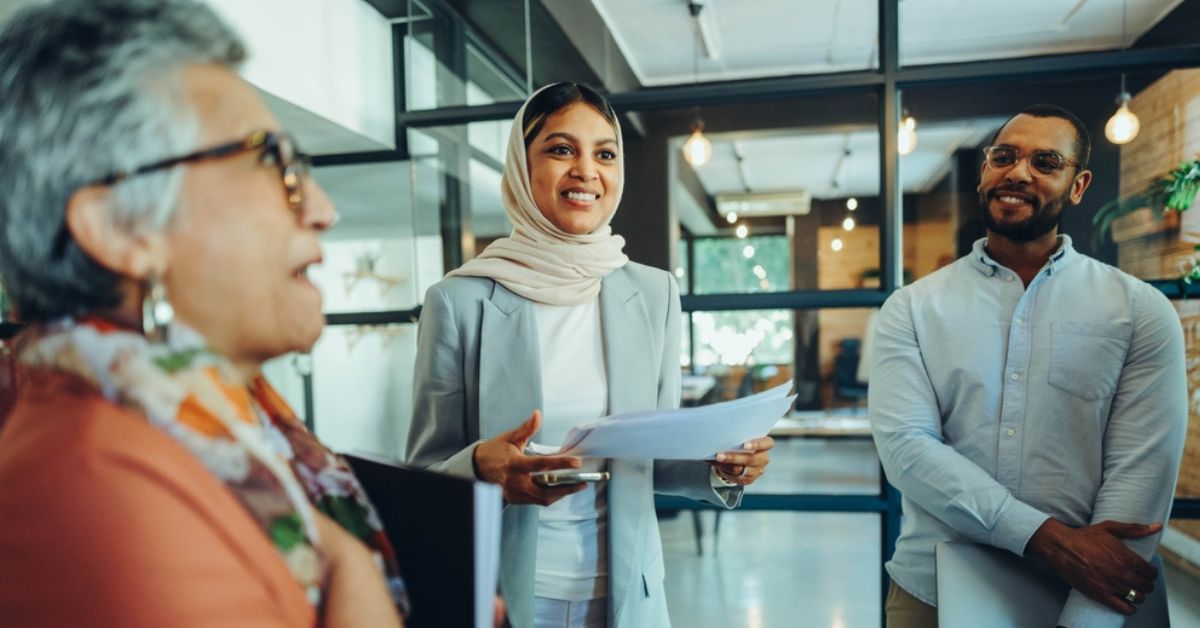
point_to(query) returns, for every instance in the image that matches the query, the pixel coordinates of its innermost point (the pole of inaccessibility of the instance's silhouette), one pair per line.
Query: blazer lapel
(628, 342)
(510, 380)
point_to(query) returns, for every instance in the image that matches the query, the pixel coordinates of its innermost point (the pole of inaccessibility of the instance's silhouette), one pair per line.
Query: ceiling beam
(1075, 65)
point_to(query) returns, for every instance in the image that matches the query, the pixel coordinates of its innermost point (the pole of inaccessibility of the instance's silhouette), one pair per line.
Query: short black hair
(1083, 141)
(557, 97)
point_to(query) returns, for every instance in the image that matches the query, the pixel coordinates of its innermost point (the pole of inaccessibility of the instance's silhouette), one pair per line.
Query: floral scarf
(247, 436)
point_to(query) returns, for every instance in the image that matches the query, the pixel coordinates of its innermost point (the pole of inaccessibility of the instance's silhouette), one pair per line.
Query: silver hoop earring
(157, 311)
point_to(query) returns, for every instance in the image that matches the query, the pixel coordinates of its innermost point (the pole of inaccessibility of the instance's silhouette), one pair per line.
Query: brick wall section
(1169, 111)
(1189, 474)
(926, 245)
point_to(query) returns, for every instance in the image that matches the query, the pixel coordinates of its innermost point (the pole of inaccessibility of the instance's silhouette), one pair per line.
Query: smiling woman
(555, 321)
(575, 170)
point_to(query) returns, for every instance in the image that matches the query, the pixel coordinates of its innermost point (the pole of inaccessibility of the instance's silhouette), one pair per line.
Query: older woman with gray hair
(155, 229)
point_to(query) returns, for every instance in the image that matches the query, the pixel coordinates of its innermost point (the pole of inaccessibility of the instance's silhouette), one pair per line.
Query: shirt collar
(1061, 256)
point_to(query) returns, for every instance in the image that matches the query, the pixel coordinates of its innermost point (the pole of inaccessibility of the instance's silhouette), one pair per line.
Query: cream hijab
(538, 260)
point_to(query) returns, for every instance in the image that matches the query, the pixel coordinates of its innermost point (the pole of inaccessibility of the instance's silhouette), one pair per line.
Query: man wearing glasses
(1028, 397)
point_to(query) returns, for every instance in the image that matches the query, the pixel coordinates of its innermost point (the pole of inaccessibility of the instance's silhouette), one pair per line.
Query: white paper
(686, 434)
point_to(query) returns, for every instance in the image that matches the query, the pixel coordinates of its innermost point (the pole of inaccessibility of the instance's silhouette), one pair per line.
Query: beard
(1043, 219)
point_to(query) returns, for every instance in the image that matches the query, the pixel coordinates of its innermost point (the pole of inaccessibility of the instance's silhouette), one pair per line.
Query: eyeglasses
(1046, 162)
(275, 148)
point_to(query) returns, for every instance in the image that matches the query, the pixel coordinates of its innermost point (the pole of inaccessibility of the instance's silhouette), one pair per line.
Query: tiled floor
(804, 570)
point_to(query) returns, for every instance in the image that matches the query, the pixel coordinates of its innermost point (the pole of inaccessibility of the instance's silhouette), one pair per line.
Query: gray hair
(92, 87)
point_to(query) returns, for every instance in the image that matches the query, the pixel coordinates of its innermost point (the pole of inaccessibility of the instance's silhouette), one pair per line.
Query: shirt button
(1018, 321)
(1012, 432)
(1008, 278)
(1014, 377)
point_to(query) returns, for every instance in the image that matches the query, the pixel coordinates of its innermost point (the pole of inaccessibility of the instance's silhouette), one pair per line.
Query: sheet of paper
(685, 434)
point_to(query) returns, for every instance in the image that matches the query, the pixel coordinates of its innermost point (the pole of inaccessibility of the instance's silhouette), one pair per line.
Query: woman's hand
(502, 461)
(356, 594)
(745, 465)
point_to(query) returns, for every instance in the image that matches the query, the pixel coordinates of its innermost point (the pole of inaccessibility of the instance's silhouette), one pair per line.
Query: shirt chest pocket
(1086, 358)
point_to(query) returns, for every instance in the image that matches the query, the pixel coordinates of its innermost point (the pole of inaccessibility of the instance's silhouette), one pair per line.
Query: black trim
(386, 317)
(1174, 289)
(790, 300)
(860, 81)
(1185, 508)
(1074, 65)
(366, 157)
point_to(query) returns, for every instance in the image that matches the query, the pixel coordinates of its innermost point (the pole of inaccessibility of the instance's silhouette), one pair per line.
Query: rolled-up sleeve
(906, 425)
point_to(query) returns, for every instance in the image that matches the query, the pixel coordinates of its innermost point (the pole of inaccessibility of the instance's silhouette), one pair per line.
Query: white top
(572, 557)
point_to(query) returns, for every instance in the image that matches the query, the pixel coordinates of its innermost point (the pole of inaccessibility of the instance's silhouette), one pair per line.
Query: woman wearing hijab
(556, 319)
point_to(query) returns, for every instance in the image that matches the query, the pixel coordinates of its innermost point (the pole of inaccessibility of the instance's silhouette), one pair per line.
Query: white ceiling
(755, 38)
(784, 160)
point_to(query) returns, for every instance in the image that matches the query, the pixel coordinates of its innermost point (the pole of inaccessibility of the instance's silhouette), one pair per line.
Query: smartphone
(569, 476)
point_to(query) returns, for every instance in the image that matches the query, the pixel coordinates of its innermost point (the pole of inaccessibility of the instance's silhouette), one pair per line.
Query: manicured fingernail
(722, 457)
(747, 445)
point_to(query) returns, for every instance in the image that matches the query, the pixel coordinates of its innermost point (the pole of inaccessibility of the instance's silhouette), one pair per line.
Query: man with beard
(1028, 397)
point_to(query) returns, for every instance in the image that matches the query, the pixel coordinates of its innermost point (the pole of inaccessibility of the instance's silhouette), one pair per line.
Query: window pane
(362, 387)
(932, 32)
(790, 191)
(444, 68)
(824, 443)
(1164, 156)
(741, 265)
(384, 250)
(461, 170)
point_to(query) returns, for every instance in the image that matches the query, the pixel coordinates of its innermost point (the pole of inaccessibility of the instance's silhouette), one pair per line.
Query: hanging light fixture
(742, 231)
(848, 224)
(906, 139)
(697, 150)
(1123, 126)
(731, 217)
(851, 204)
(836, 244)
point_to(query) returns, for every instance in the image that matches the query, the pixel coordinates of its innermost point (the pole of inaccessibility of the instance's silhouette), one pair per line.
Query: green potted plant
(1173, 192)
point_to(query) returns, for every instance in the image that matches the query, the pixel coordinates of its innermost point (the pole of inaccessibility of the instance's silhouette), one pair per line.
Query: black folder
(446, 533)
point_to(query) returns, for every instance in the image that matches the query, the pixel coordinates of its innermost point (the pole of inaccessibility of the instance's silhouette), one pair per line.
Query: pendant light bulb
(851, 203)
(906, 139)
(697, 150)
(1123, 126)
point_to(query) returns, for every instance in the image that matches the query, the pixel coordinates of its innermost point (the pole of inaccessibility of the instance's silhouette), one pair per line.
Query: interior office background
(407, 105)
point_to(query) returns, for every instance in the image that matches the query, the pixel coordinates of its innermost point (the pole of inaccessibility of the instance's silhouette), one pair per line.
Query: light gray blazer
(478, 375)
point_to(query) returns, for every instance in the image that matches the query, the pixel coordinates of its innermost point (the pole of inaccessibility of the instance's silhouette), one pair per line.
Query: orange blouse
(106, 521)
